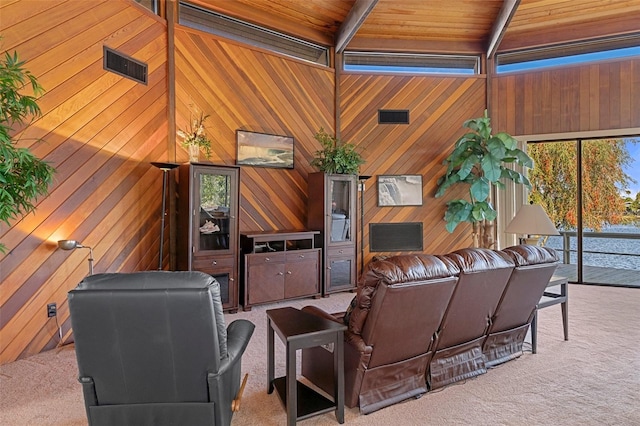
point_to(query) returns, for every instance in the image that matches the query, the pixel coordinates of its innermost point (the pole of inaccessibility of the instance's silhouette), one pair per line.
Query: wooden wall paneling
(590, 97)
(101, 131)
(634, 90)
(242, 87)
(624, 112)
(99, 204)
(33, 19)
(584, 105)
(438, 106)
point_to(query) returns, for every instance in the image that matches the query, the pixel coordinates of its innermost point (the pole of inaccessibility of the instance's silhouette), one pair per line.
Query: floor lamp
(166, 168)
(361, 180)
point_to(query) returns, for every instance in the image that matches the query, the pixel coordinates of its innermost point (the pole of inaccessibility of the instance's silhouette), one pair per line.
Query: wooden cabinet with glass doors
(208, 198)
(332, 211)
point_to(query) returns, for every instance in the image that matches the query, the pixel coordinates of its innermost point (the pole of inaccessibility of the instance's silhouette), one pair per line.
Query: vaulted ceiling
(437, 26)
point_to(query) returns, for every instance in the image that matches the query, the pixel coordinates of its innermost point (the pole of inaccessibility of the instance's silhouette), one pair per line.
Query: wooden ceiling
(437, 26)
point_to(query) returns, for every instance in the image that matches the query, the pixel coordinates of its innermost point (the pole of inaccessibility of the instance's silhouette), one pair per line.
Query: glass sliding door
(591, 190)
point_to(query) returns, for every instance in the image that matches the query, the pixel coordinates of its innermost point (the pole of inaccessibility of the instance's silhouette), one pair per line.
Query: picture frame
(264, 150)
(399, 190)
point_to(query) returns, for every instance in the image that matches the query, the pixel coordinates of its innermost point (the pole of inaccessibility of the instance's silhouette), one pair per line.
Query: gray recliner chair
(152, 349)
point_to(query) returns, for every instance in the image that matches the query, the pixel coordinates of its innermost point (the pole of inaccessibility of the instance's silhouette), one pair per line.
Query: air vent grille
(393, 116)
(390, 237)
(125, 66)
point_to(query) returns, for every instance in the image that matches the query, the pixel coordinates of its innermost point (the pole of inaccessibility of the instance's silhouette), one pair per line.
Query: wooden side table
(299, 330)
(550, 298)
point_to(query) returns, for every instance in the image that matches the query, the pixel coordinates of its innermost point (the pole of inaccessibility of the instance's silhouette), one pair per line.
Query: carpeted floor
(592, 379)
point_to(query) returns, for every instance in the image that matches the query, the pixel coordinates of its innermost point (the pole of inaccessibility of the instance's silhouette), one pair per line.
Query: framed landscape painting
(399, 190)
(264, 150)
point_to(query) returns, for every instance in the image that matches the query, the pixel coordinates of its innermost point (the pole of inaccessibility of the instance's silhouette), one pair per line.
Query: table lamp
(533, 222)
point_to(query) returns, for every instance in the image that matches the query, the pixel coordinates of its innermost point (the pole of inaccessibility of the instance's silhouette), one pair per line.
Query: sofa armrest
(357, 342)
(322, 314)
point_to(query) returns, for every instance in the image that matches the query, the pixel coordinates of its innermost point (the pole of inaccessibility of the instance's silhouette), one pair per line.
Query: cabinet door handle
(329, 267)
(280, 273)
(340, 251)
(288, 272)
(214, 263)
(301, 256)
(266, 259)
(232, 279)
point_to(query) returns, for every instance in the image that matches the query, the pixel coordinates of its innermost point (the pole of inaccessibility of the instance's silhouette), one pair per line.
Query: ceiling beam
(352, 22)
(500, 25)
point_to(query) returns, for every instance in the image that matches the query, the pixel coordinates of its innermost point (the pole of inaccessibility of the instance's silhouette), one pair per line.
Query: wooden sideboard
(279, 265)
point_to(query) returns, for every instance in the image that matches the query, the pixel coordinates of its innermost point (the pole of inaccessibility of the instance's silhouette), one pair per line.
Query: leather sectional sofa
(419, 322)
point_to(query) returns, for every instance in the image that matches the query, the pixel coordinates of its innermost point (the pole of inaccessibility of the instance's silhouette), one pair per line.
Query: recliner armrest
(239, 333)
(337, 317)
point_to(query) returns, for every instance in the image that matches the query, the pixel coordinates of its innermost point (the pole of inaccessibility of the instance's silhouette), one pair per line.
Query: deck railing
(566, 242)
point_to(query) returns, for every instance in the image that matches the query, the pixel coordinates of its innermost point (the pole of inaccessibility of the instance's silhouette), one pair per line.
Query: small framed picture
(264, 150)
(399, 190)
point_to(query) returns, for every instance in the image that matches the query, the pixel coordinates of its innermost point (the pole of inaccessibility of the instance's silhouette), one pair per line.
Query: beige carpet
(593, 379)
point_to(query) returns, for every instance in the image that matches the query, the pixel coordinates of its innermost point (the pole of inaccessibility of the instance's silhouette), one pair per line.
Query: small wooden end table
(550, 298)
(299, 330)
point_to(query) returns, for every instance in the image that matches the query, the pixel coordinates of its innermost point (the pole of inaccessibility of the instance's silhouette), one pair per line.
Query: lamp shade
(531, 219)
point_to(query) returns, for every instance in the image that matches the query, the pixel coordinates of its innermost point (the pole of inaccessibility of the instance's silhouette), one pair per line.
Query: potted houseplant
(194, 137)
(479, 160)
(23, 176)
(336, 156)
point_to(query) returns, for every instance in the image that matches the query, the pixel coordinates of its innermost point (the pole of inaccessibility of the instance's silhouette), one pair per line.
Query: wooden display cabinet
(208, 197)
(332, 211)
(279, 265)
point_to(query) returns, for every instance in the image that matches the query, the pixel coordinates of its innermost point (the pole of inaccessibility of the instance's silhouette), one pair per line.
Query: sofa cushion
(524, 255)
(399, 269)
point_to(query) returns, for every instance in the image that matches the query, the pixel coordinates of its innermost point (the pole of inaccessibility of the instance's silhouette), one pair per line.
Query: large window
(566, 54)
(410, 63)
(590, 188)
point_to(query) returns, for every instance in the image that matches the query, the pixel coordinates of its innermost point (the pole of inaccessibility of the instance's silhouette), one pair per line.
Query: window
(411, 63)
(234, 29)
(574, 53)
(152, 5)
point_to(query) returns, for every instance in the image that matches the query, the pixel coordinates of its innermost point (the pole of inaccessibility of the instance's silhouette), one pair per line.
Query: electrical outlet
(52, 310)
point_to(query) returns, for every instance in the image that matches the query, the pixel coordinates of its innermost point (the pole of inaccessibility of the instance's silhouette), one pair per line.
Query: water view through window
(603, 176)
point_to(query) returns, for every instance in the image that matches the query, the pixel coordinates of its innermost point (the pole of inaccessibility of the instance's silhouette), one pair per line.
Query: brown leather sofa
(391, 333)
(419, 322)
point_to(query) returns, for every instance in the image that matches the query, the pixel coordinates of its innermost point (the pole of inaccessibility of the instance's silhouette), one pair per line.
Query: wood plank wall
(246, 88)
(600, 96)
(100, 132)
(437, 108)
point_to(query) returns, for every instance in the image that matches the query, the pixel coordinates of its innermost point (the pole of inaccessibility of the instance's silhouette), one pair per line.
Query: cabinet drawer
(263, 258)
(213, 262)
(341, 251)
(302, 255)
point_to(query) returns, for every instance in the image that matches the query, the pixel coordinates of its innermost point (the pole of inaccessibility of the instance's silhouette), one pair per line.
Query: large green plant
(336, 156)
(23, 176)
(479, 160)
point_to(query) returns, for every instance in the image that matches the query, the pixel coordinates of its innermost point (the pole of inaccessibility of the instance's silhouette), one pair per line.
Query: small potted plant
(478, 160)
(336, 156)
(194, 137)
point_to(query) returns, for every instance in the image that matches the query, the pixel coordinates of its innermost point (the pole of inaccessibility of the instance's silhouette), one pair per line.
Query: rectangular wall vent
(125, 66)
(393, 116)
(406, 236)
